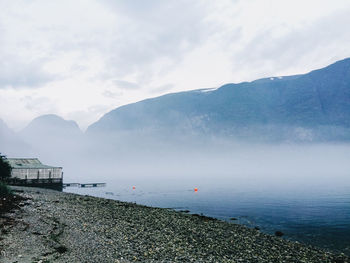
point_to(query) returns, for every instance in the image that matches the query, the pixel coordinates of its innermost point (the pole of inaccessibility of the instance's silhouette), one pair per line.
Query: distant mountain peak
(2, 123)
(51, 123)
(52, 120)
(4, 128)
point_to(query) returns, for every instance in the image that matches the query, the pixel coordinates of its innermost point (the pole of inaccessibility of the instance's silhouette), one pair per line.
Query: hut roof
(28, 163)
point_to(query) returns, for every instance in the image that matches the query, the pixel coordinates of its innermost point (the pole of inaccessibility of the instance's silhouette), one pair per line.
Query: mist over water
(301, 190)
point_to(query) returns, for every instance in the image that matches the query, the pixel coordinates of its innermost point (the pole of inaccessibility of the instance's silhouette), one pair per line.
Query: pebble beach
(51, 226)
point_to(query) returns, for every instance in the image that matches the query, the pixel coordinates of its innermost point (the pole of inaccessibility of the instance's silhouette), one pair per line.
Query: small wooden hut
(31, 172)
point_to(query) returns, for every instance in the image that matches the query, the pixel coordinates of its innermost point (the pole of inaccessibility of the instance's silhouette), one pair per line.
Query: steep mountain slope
(5, 131)
(313, 106)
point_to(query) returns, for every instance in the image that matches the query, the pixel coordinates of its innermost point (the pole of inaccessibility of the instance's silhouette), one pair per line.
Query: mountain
(48, 133)
(10, 143)
(51, 125)
(5, 131)
(55, 140)
(308, 107)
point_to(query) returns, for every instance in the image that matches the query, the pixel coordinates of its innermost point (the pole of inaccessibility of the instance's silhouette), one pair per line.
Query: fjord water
(303, 191)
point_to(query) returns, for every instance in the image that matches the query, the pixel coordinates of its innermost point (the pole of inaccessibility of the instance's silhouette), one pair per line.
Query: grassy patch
(5, 190)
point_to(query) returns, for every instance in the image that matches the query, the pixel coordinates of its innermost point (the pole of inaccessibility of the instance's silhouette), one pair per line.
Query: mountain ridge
(320, 98)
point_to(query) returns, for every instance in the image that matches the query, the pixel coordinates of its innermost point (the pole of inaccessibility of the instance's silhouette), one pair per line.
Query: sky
(80, 59)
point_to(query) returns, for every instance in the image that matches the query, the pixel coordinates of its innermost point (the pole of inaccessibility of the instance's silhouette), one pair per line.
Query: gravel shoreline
(52, 226)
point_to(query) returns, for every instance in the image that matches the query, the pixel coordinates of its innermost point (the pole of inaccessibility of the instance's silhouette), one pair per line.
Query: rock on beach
(51, 226)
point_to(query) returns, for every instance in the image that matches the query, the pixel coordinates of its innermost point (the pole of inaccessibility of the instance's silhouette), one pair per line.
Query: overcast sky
(80, 59)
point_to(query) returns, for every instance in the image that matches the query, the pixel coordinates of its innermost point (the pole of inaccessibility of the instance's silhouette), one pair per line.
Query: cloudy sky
(80, 59)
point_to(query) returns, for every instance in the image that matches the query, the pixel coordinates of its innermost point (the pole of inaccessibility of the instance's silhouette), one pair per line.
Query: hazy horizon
(84, 129)
(81, 60)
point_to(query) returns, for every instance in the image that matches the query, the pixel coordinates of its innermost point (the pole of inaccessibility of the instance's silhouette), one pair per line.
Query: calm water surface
(315, 210)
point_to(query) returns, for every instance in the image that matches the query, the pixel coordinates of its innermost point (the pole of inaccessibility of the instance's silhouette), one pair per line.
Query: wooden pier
(88, 185)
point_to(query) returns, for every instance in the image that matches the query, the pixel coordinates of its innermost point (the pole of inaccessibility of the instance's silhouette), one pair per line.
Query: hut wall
(50, 173)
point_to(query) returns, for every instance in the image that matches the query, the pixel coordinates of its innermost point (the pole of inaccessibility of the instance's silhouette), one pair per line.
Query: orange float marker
(133, 188)
(196, 189)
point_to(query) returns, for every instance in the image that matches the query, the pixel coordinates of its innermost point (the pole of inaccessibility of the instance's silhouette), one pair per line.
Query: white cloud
(80, 59)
